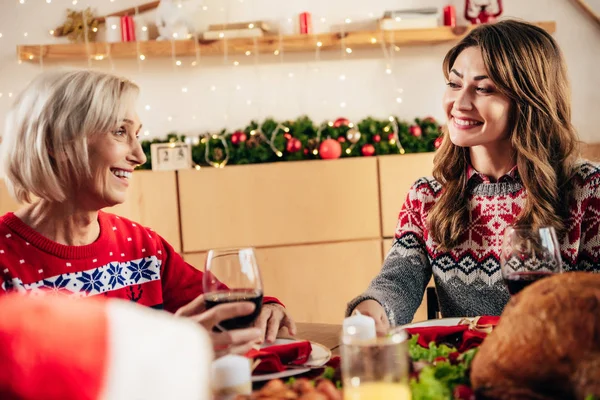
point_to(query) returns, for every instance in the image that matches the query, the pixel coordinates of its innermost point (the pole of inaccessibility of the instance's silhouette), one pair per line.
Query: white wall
(314, 88)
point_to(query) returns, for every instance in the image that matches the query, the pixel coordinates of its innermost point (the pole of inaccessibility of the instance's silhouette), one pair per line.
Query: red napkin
(470, 337)
(275, 358)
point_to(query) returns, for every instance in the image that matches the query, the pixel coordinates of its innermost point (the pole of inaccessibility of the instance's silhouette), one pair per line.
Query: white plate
(318, 357)
(435, 322)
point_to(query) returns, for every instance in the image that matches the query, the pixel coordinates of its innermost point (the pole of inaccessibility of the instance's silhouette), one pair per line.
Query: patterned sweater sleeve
(400, 284)
(588, 198)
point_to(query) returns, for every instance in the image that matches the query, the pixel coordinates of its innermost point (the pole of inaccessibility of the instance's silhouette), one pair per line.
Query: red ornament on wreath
(376, 138)
(330, 149)
(438, 142)
(341, 122)
(391, 137)
(367, 150)
(415, 130)
(238, 137)
(341, 139)
(293, 145)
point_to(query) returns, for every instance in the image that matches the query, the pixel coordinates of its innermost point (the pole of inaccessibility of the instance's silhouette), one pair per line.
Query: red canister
(305, 23)
(449, 16)
(127, 29)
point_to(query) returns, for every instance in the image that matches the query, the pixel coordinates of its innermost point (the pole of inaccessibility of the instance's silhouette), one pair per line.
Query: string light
(9, 94)
(347, 20)
(25, 34)
(51, 31)
(276, 52)
(221, 35)
(238, 87)
(144, 28)
(147, 107)
(213, 88)
(204, 8)
(146, 133)
(236, 63)
(169, 118)
(250, 26)
(74, 2)
(184, 89)
(319, 44)
(0, 35)
(22, 1)
(48, 1)
(348, 50)
(373, 40)
(248, 52)
(142, 57)
(178, 63)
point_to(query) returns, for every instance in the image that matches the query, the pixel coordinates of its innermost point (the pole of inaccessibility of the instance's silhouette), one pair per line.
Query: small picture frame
(171, 156)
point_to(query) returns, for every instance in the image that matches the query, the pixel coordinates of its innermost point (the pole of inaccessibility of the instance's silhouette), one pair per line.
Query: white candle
(231, 376)
(113, 29)
(141, 29)
(359, 326)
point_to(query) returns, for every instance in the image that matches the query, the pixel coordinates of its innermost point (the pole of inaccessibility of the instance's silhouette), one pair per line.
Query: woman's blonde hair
(44, 145)
(525, 64)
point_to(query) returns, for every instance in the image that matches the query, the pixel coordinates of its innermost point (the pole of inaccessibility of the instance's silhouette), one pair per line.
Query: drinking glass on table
(376, 369)
(233, 275)
(529, 255)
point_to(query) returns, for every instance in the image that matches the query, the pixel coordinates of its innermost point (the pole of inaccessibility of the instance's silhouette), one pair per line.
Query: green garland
(254, 150)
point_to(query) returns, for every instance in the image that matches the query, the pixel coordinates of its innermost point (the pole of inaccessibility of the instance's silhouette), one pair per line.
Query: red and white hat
(54, 347)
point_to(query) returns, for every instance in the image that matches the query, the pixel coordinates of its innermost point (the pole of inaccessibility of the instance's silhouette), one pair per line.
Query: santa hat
(53, 347)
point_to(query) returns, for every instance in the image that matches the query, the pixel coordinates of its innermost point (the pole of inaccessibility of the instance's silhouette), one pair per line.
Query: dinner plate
(318, 357)
(435, 322)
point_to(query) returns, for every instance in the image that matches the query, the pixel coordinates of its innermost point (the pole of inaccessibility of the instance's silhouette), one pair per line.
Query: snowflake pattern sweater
(127, 261)
(468, 278)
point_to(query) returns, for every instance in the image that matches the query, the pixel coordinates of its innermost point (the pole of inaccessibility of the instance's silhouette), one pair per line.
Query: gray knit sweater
(468, 278)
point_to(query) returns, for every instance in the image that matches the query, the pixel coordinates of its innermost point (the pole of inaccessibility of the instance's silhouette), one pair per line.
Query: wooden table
(326, 334)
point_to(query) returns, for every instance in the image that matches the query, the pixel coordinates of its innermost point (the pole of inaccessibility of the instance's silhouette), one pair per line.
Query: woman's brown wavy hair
(525, 64)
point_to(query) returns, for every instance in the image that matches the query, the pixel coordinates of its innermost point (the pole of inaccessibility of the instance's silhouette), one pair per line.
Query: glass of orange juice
(376, 369)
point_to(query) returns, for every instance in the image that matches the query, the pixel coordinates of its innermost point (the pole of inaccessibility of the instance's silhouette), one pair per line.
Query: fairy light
(147, 107)
(184, 90)
(51, 31)
(213, 88)
(0, 35)
(291, 74)
(236, 63)
(388, 70)
(178, 63)
(144, 28)
(248, 52)
(398, 100)
(250, 26)
(323, 19)
(221, 35)
(113, 26)
(373, 40)
(276, 52)
(22, 1)
(74, 2)
(238, 87)
(194, 63)
(348, 50)
(204, 8)
(99, 57)
(48, 1)
(25, 34)
(347, 20)
(94, 29)
(169, 118)
(142, 57)
(343, 104)
(249, 102)
(146, 133)
(9, 94)
(175, 35)
(342, 77)
(319, 44)
(31, 57)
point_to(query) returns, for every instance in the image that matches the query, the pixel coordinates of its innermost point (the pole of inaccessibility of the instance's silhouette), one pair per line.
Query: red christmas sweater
(127, 261)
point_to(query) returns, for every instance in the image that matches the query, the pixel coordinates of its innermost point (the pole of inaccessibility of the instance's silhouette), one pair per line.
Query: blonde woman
(68, 151)
(508, 158)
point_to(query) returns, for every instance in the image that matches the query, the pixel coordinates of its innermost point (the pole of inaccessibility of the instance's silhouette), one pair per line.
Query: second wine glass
(529, 255)
(233, 275)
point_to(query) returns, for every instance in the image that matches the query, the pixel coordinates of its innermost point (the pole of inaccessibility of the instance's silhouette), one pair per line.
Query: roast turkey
(547, 344)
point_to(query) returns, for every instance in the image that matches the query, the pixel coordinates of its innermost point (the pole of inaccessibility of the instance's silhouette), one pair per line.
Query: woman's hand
(237, 341)
(375, 310)
(272, 317)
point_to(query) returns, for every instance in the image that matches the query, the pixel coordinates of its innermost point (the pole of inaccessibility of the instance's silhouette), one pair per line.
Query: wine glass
(232, 275)
(528, 255)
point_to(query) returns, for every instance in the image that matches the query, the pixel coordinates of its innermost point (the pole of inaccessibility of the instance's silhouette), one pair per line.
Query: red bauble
(341, 122)
(367, 150)
(391, 136)
(438, 142)
(238, 137)
(376, 138)
(341, 139)
(330, 149)
(415, 130)
(305, 151)
(293, 145)
(288, 136)
(429, 120)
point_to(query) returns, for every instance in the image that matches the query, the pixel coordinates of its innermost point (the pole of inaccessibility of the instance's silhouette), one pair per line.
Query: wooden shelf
(265, 44)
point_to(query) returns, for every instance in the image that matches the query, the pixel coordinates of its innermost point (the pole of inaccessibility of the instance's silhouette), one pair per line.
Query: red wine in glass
(517, 281)
(231, 276)
(234, 296)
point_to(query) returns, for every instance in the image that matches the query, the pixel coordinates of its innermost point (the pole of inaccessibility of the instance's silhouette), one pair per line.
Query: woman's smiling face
(477, 112)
